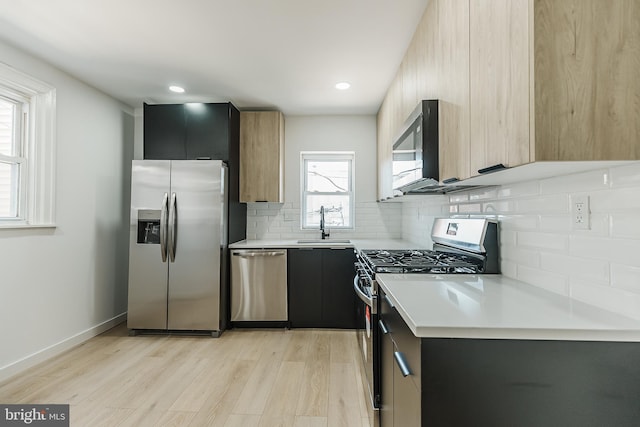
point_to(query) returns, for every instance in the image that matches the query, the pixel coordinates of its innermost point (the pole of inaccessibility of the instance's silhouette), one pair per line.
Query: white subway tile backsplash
(553, 282)
(508, 237)
(470, 208)
(626, 176)
(543, 241)
(499, 206)
(579, 182)
(616, 200)
(623, 251)
(558, 203)
(555, 223)
(596, 271)
(520, 256)
(519, 222)
(520, 189)
(282, 221)
(458, 197)
(625, 277)
(483, 193)
(509, 268)
(626, 225)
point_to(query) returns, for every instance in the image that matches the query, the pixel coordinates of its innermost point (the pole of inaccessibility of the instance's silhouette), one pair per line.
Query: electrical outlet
(580, 212)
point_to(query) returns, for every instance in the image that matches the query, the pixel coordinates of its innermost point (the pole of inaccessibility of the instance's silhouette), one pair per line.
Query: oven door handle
(364, 297)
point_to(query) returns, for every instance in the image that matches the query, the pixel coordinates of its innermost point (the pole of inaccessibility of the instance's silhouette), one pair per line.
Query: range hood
(431, 186)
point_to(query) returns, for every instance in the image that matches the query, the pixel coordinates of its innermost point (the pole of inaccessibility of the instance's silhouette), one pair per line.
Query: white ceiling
(284, 54)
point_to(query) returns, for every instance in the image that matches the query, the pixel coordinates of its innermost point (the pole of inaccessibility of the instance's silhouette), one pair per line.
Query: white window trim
(327, 155)
(39, 150)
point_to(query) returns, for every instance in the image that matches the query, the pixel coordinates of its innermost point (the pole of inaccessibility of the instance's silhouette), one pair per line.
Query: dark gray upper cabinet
(207, 131)
(188, 131)
(164, 132)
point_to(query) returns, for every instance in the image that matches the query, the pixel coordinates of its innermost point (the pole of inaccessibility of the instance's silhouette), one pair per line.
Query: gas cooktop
(460, 245)
(419, 261)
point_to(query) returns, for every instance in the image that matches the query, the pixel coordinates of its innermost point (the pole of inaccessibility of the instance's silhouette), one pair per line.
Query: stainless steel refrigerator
(178, 246)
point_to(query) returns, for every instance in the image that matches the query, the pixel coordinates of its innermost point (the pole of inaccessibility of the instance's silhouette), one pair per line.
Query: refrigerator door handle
(163, 227)
(172, 228)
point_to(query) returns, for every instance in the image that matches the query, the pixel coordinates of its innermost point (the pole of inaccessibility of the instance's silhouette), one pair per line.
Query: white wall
(60, 286)
(600, 266)
(327, 133)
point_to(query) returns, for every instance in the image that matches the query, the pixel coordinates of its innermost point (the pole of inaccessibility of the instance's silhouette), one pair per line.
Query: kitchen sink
(326, 241)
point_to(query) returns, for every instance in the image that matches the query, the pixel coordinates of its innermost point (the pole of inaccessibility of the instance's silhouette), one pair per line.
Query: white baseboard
(25, 363)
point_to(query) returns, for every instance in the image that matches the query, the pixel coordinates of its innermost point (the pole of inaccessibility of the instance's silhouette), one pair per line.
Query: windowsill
(25, 226)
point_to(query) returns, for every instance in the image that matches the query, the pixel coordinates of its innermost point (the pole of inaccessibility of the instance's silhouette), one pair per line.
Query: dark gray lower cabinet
(506, 383)
(321, 288)
(304, 277)
(400, 370)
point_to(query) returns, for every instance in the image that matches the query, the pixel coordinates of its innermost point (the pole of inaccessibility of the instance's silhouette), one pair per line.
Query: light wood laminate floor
(258, 377)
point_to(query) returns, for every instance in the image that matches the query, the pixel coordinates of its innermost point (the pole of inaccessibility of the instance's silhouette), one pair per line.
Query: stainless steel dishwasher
(259, 285)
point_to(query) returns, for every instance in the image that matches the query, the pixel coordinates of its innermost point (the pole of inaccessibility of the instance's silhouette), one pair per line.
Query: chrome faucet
(324, 235)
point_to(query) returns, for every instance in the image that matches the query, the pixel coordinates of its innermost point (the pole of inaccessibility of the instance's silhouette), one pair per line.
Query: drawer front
(406, 343)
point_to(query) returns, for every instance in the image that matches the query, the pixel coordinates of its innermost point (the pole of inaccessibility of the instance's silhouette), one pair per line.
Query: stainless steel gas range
(460, 246)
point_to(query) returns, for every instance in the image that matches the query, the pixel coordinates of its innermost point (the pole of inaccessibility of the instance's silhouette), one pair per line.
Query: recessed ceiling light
(176, 89)
(343, 85)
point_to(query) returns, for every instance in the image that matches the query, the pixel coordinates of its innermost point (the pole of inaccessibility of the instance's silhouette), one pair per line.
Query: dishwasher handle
(258, 254)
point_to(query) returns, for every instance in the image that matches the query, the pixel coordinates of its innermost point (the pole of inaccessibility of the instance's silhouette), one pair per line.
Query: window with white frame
(27, 150)
(327, 180)
(11, 159)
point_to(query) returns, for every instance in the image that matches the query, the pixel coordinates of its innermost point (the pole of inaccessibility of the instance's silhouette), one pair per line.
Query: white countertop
(493, 306)
(328, 243)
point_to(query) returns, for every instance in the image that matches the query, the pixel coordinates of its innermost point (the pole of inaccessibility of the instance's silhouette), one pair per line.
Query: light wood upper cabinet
(436, 66)
(587, 89)
(554, 80)
(384, 152)
(452, 62)
(499, 83)
(389, 120)
(261, 156)
(521, 81)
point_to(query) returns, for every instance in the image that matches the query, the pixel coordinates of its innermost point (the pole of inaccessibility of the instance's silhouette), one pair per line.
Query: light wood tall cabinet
(261, 156)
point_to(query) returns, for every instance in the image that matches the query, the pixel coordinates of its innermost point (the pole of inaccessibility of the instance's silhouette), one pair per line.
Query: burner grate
(420, 261)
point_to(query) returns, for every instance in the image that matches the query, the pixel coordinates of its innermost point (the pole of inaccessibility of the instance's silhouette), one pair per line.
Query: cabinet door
(587, 56)
(207, 131)
(406, 399)
(164, 132)
(338, 296)
(499, 83)
(261, 156)
(386, 378)
(304, 271)
(452, 87)
(384, 147)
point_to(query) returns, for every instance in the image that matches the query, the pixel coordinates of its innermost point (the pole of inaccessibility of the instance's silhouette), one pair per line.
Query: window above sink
(327, 179)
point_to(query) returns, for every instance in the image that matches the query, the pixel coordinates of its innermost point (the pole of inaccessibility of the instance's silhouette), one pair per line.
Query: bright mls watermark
(34, 415)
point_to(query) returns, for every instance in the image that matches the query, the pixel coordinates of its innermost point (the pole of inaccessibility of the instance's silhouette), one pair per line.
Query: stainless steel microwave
(415, 151)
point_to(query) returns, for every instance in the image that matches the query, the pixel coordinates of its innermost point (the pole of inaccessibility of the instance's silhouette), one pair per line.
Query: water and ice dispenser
(149, 226)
